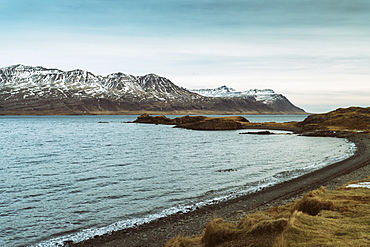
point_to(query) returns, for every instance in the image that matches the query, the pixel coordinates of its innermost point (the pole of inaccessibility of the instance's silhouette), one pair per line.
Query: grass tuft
(184, 242)
(312, 203)
(218, 231)
(269, 226)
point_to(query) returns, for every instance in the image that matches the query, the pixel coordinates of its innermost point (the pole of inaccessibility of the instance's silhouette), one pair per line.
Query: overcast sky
(315, 52)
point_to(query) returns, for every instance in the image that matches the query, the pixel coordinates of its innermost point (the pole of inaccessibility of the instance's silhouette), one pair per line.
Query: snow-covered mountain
(42, 82)
(38, 90)
(267, 96)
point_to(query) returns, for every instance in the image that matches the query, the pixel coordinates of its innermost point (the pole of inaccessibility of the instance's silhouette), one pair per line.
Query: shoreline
(157, 232)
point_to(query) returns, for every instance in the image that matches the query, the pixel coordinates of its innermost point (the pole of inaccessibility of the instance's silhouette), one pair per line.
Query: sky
(315, 52)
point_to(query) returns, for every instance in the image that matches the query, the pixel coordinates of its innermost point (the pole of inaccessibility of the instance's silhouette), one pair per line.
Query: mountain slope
(266, 96)
(38, 90)
(277, 102)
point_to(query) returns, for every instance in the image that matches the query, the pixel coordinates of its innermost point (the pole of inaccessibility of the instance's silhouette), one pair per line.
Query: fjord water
(73, 177)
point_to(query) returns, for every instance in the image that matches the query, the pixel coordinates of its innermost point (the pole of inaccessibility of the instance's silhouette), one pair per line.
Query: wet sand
(156, 233)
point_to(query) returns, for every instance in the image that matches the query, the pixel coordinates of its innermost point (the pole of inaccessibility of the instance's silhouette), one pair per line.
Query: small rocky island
(196, 122)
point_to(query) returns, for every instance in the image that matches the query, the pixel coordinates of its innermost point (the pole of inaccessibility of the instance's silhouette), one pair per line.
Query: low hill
(342, 119)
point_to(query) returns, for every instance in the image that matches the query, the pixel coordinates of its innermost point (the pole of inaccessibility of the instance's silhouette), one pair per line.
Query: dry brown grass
(343, 219)
(218, 231)
(313, 203)
(184, 242)
(343, 119)
(321, 218)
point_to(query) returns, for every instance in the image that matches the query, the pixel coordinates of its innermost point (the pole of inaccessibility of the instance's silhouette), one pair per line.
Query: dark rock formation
(196, 122)
(145, 118)
(212, 124)
(259, 133)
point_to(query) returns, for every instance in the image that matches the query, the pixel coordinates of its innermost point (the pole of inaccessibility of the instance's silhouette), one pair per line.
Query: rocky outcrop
(196, 122)
(266, 132)
(214, 124)
(146, 118)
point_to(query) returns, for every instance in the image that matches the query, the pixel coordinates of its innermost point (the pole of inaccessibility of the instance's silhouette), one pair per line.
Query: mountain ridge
(38, 90)
(266, 96)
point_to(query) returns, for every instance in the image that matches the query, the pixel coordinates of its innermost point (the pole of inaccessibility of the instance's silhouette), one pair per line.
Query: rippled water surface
(73, 177)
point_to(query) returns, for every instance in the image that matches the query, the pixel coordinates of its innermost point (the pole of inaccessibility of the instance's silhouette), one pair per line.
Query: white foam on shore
(359, 185)
(255, 187)
(131, 223)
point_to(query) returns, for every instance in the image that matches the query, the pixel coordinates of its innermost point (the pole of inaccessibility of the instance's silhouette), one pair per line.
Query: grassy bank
(339, 217)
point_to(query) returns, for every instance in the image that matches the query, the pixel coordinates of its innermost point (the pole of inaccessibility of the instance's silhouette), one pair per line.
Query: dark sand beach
(158, 232)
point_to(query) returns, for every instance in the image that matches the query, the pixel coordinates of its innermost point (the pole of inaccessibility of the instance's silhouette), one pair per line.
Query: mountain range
(28, 90)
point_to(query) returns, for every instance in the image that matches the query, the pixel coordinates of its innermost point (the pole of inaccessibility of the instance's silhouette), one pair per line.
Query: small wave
(124, 164)
(27, 208)
(48, 175)
(35, 195)
(104, 184)
(90, 178)
(81, 212)
(113, 197)
(76, 191)
(143, 178)
(85, 179)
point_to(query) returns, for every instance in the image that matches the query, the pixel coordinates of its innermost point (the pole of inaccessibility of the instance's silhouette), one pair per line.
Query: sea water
(73, 177)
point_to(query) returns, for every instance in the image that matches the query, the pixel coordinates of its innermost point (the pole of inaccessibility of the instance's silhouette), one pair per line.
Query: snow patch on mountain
(266, 96)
